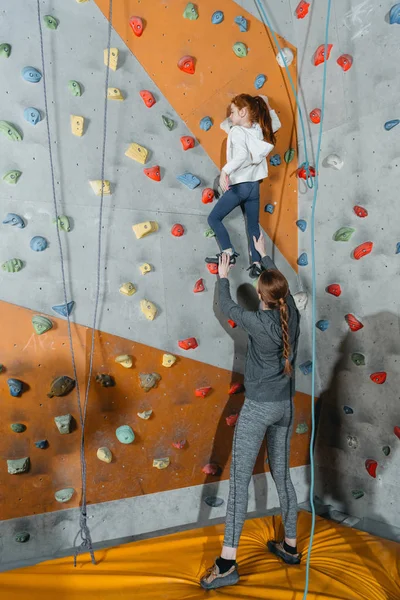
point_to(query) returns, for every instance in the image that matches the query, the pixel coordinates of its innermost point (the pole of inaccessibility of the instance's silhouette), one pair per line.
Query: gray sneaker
(213, 579)
(278, 549)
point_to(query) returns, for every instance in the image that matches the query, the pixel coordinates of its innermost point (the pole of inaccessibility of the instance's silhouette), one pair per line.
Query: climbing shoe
(215, 259)
(214, 579)
(278, 549)
(254, 271)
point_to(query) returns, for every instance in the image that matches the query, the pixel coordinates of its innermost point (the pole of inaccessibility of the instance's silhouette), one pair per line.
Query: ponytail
(265, 121)
(283, 310)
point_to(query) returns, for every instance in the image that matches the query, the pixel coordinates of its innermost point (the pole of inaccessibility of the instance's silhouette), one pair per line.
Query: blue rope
(311, 184)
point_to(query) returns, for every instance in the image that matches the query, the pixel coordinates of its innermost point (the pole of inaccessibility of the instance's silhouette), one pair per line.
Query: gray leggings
(257, 419)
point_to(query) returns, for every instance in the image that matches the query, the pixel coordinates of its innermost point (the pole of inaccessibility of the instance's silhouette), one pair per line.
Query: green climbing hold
(358, 359)
(12, 177)
(64, 495)
(190, 12)
(22, 537)
(357, 494)
(50, 22)
(75, 88)
(302, 428)
(125, 434)
(209, 233)
(41, 324)
(18, 427)
(5, 50)
(240, 49)
(289, 155)
(63, 223)
(386, 450)
(12, 266)
(343, 234)
(169, 123)
(10, 131)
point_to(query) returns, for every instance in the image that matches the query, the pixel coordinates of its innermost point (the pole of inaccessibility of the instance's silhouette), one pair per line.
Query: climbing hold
(142, 229)
(32, 115)
(179, 445)
(136, 24)
(302, 9)
(19, 465)
(360, 211)
(352, 441)
(240, 49)
(12, 177)
(147, 98)
(398, 248)
(207, 195)
(259, 81)
(236, 388)
(302, 261)
(153, 173)
(104, 454)
(31, 74)
(390, 124)
(319, 56)
(289, 155)
(357, 494)
(63, 223)
(187, 64)
(125, 434)
(177, 230)
(202, 392)
(232, 323)
(64, 423)
(379, 377)
(114, 94)
(315, 116)
(15, 387)
(334, 289)
(213, 501)
(211, 469)
(302, 428)
(168, 360)
(64, 309)
(145, 415)
(124, 360)
(242, 22)
(18, 427)
(213, 268)
(5, 50)
(12, 266)
(209, 233)
(148, 380)
(301, 224)
(188, 344)
(50, 22)
(345, 61)
(138, 153)
(386, 450)
(77, 125)
(75, 88)
(113, 62)
(148, 309)
(145, 268)
(206, 123)
(96, 187)
(105, 380)
(269, 208)
(187, 142)
(64, 495)
(190, 12)
(394, 14)
(306, 367)
(61, 386)
(348, 410)
(22, 537)
(334, 161)
(161, 463)
(358, 359)
(396, 431)
(198, 286)
(14, 220)
(286, 56)
(217, 17)
(10, 131)
(38, 243)
(353, 323)
(322, 324)
(275, 160)
(191, 181)
(371, 466)
(42, 444)
(231, 420)
(302, 171)
(343, 234)
(363, 250)
(169, 123)
(128, 289)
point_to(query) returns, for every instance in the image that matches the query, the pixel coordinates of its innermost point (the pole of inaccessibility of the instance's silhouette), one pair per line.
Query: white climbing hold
(168, 360)
(287, 58)
(148, 309)
(77, 124)
(161, 463)
(104, 454)
(128, 289)
(145, 415)
(114, 94)
(334, 161)
(113, 62)
(301, 300)
(96, 187)
(124, 360)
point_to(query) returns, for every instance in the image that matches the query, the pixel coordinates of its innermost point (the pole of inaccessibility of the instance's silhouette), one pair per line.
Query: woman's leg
(224, 206)
(252, 210)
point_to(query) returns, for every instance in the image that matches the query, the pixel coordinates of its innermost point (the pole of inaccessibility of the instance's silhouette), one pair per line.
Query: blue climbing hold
(301, 224)
(394, 15)
(259, 81)
(14, 220)
(269, 208)
(31, 74)
(42, 444)
(348, 410)
(206, 123)
(390, 124)
(38, 243)
(302, 261)
(306, 367)
(242, 22)
(15, 387)
(275, 160)
(217, 17)
(64, 309)
(32, 115)
(191, 181)
(322, 324)
(398, 248)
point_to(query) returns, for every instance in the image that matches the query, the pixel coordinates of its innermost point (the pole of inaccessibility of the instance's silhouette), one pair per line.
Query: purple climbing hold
(301, 224)
(302, 261)
(275, 160)
(390, 124)
(348, 410)
(306, 367)
(269, 208)
(322, 324)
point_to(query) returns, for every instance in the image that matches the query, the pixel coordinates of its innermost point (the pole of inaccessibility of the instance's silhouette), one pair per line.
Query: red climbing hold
(147, 98)
(231, 420)
(396, 431)
(153, 173)
(334, 289)
(360, 211)
(186, 64)
(198, 286)
(188, 344)
(363, 250)
(211, 469)
(302, 172)
(371, 466)
(202, 392)
(187, 142)
(207, 196)
(315, 115)
(177, 230)
(379, 377)
(213, 268)
(353, 323)
(345, 61)
(236, 388)
(319, 56)
(136, 24)
(302, 9)
(232, 323)
(179, 445)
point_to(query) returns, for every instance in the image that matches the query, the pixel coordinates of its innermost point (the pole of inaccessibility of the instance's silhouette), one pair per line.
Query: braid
(285, 336)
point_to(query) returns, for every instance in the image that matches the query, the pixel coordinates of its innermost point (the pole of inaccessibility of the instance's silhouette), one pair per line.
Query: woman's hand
(224, 182)
(259, 245)
(224, 265)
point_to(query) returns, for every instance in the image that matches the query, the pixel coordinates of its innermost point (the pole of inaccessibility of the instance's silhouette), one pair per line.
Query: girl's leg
(252, 210)
(224, 206)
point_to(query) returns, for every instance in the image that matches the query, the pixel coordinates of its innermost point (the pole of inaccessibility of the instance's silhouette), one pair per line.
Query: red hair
(258, 113)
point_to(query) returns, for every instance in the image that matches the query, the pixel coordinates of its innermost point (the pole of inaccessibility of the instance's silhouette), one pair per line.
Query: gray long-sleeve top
(264, 378)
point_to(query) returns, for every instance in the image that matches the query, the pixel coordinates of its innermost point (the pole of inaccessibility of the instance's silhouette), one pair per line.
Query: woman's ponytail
(283, 310)
(265, 121)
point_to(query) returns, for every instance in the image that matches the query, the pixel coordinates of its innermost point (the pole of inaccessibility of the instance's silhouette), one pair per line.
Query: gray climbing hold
(42, 444)
(22, 537)
(31, 74)
(302, 428)
(32, 115)
(10, 131)
(213, 501)
(148, 380)
(18, 427)
(15, 386)
(19, 465)
(348, 410)
(64, 423)
(61, 386)
(64, 495)
(301, 224)
(125, 434)
(242, 22)
(386, 450)
(38, 243)
(352, 441)
(358, 359)
(191, 181)
(14, 220)
(105, 380)
(259, 81)
(41, 324)
(5, 50)
(64, 309)
(357, 494)
(12, 177)
(240, 49)
(169, 123)
(206, 123)
(50, 22)
(217, 17)
(75, 88)
(306, 367)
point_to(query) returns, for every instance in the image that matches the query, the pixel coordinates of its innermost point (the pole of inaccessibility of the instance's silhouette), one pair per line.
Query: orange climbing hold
(379, 377)
(302, 9)
(188, 344)
(211, 469)
(202, 392)
(198, 286)
(207, 196)
(353, 322)
(371, 466)
(213, 268)
(153, 173)
(236, 388)
(302, 172)
(345, 61)
(315, 115)
(187, 142)
(147, 98)
(363, 250)
(319, 56)
(232, 323)
(177, 230)
(396, 431)
(136, 24)
(360, 211)
(231, 420)
(187, 65)
(179, 445)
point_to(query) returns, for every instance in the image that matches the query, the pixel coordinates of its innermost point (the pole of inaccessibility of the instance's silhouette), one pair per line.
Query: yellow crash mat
(346, 564)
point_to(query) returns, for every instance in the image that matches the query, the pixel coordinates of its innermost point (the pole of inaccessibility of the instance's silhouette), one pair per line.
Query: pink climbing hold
(177, 230)
(198, 286)
(136, 24)
(379, 377)
(371, 466)
(232, 323)
(353, 322)
(302, 9)
(345, 61)
(179, 445)
(187, 65)
(334, 289)
(319, 56)
(363, 250)
(360, 211)
(207, 196)
(202, 392)
(315, 115)
(187, 142)
(211, 469)
(188, 344)
(231, 420)
(147, 98)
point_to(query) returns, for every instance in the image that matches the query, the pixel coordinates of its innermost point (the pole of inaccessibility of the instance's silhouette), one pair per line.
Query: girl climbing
(267, 411)
(251, 131)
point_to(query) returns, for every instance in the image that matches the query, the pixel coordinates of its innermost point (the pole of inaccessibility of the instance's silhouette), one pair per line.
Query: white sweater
(246, 151)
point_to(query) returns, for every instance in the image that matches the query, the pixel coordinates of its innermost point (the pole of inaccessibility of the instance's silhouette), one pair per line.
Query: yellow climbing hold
(124, 360)
(138, 153)
(113, 63)
(104, 454)
(142, 229)
(145, 415)
(161, 463)
(77, 124)
(114, 94)
(127, 288)
(145, 268)
(168, 360)
(82, 1)
(148, 309)
(96, 187)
